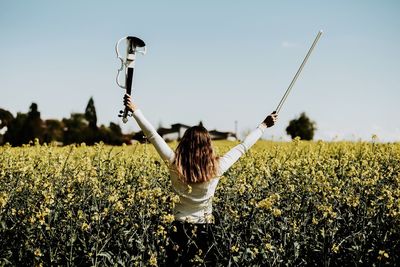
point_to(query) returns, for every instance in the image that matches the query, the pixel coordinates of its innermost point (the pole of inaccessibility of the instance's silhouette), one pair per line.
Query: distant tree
(79, 128)
(90, 114)
(54, 131)
(117, 138)
(6, 119)
(301, 127)
(25, 127)
(76, 129)
(108, 136)
(14, 134)
(33, 126)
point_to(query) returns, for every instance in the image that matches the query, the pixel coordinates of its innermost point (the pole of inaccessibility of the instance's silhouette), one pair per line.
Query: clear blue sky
(215, 61)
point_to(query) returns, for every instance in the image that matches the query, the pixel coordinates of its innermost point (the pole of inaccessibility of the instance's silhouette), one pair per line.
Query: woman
(195, 171)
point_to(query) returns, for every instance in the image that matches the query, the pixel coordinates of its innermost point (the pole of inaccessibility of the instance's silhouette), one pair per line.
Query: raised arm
(166, 153)
(236, 152)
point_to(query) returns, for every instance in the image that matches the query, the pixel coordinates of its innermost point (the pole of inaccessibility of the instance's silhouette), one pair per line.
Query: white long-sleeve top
(195, 204)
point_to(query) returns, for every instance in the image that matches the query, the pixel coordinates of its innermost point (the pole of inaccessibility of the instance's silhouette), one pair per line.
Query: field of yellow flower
(298, 203)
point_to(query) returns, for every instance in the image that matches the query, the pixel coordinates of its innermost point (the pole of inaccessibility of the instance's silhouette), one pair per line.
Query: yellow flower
(119, 206)
(264, 204)
(38, 253)
(335, 248)
(189, 189)
(276, 212)
(161, 231)
(255, 251)
(153, 260)
(235, 248)
(383, 254)
(291, 188)
(3, 199)
(32, 219)
(242, 189)
(167, 218)
(268, 247)
(268, 202)
(105, 211)
(113, 198)
(199, 252)
(95, 216)
(81, 215)
(85, 226)
(175, 199)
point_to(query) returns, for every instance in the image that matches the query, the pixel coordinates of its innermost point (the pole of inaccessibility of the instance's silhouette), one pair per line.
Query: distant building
(216, 135)
(139, 136)
(174, 133)
(177, 130)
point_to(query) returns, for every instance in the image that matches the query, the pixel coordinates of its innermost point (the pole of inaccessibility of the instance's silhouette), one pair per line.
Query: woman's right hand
(271, 119)
(129, 103)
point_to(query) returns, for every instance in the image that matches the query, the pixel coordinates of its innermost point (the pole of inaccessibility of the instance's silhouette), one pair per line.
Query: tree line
(78, 128)
(82, 128)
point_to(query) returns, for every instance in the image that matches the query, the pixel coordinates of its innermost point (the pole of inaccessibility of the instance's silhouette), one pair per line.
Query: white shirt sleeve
(166, 153)
(236, 152)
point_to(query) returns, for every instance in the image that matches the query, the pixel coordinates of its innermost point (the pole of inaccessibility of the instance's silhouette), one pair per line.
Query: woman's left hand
(129, 103)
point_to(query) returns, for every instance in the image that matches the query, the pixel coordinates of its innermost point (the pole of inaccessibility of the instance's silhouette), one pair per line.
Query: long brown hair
(194, 157)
